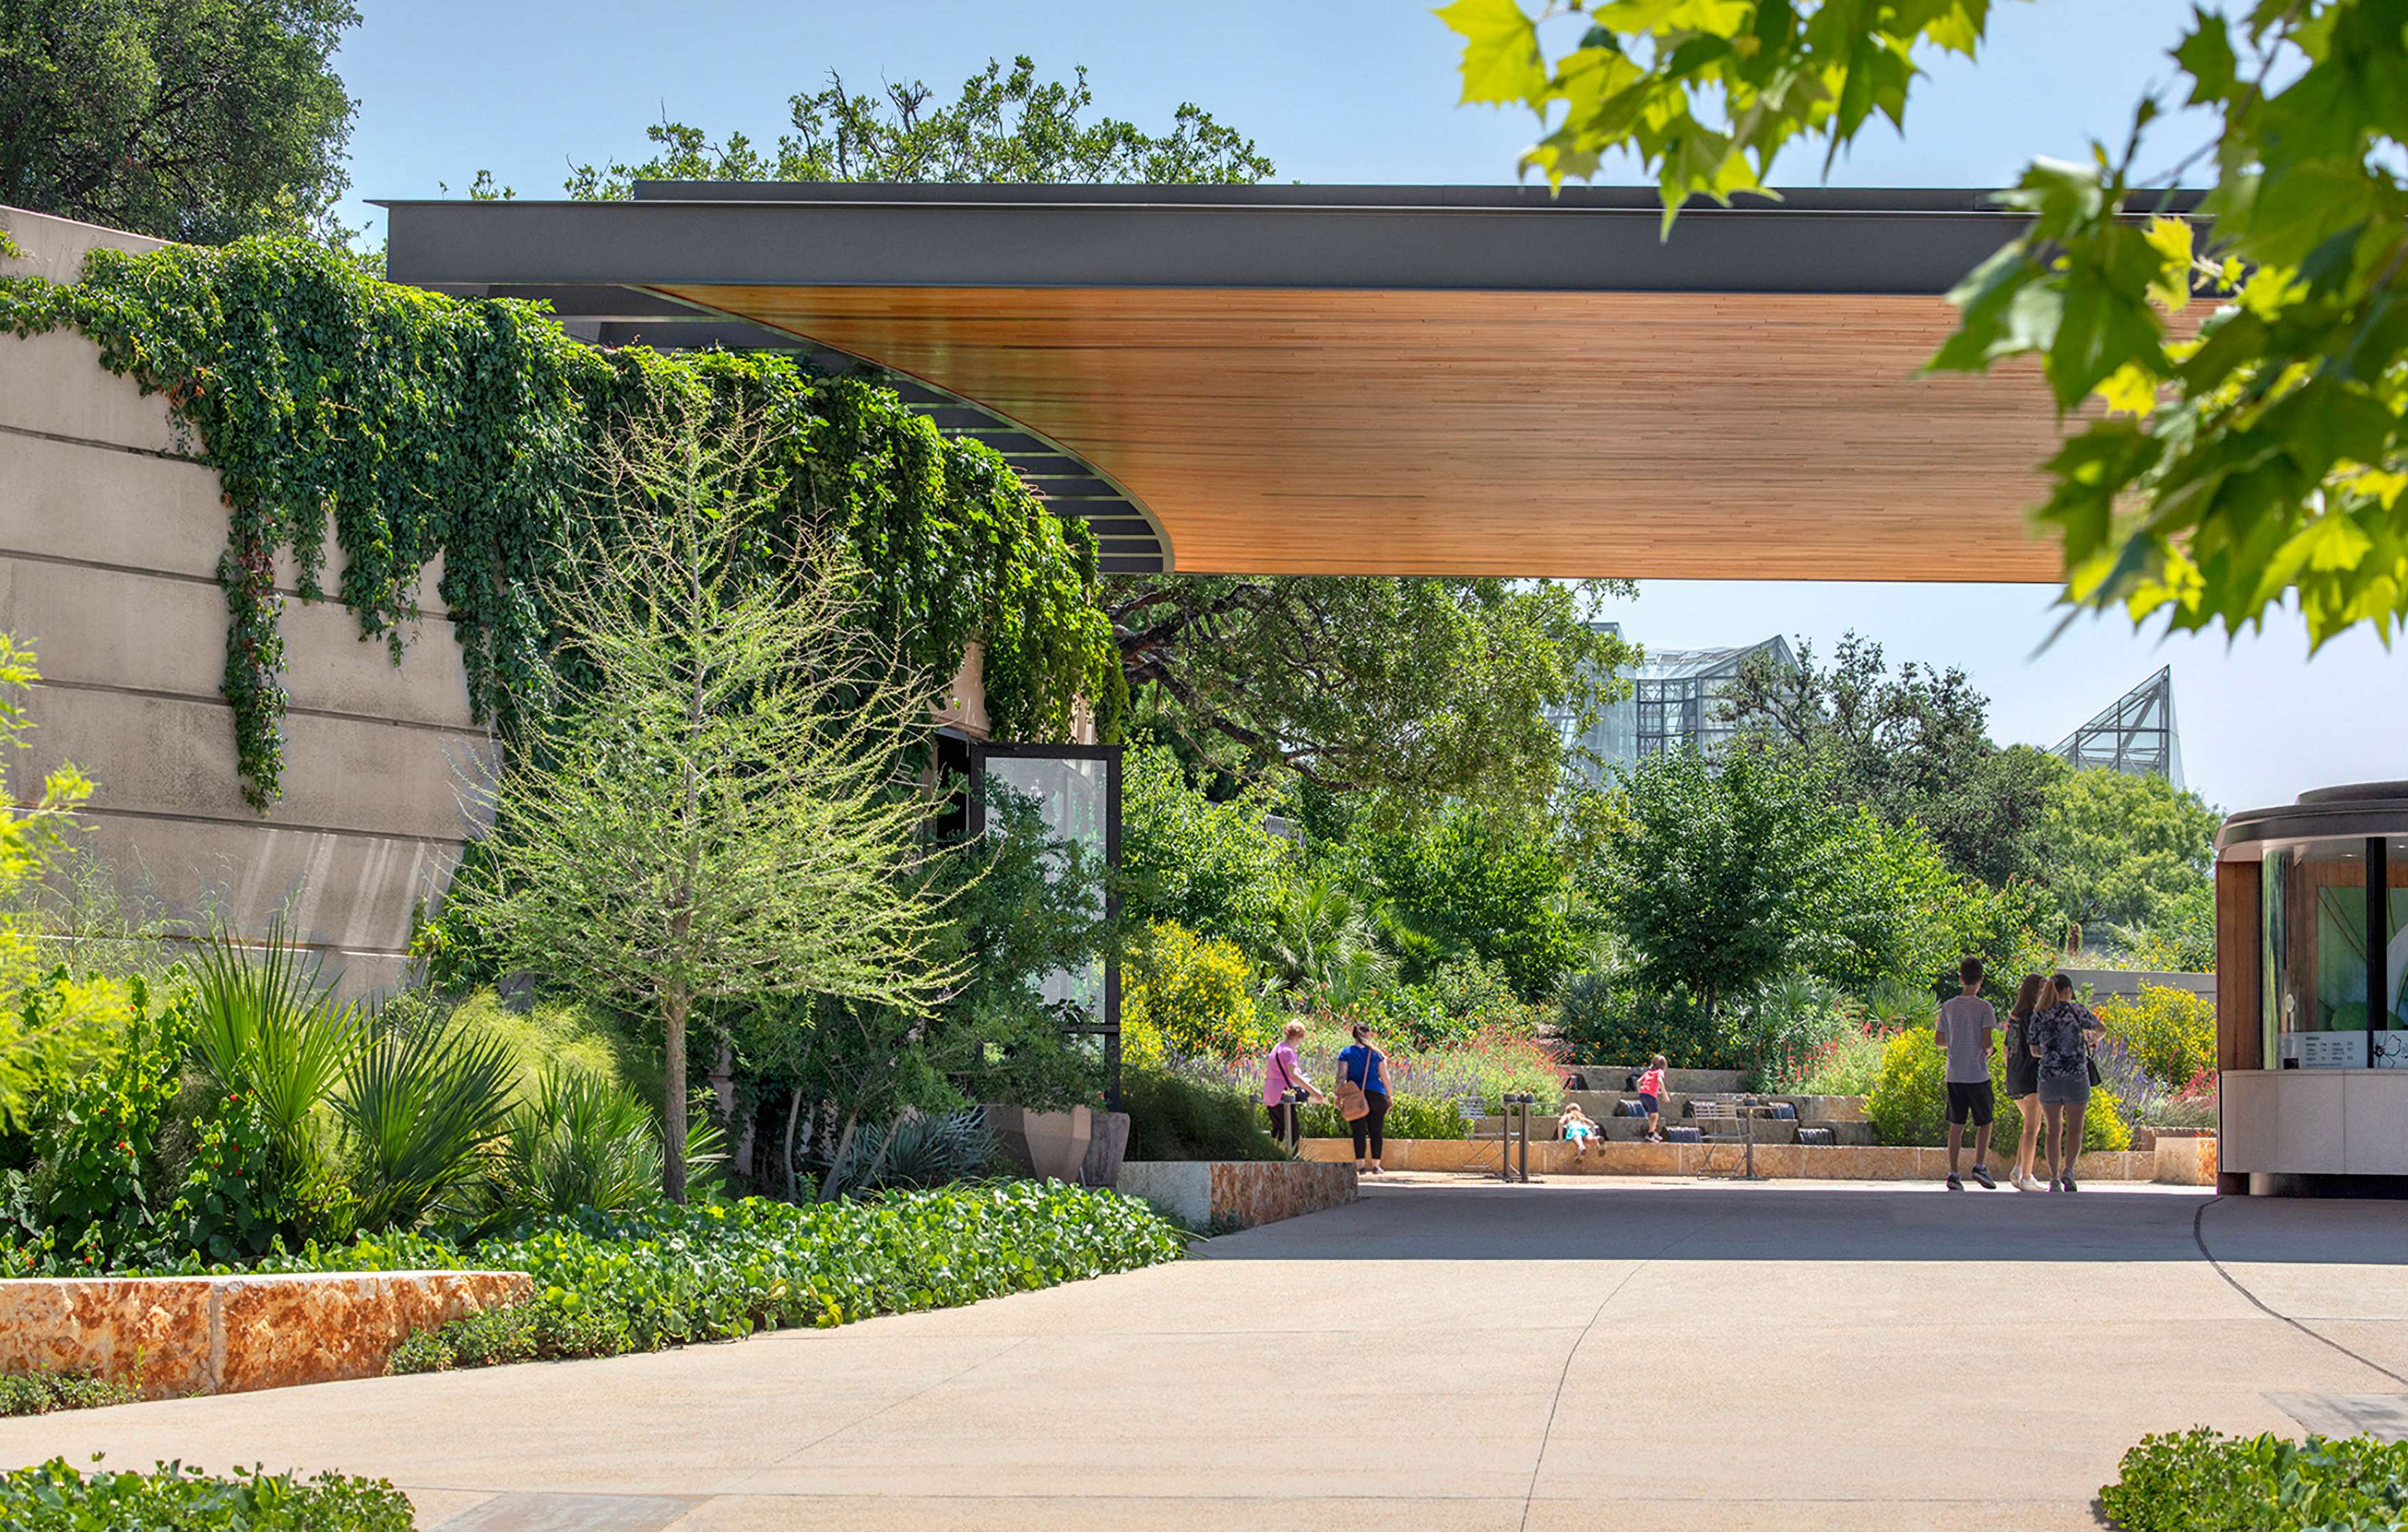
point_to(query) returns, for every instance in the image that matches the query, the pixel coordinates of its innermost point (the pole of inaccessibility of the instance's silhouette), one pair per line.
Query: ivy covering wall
(415, 426)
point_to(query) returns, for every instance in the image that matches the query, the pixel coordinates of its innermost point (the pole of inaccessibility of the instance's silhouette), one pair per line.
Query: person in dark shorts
(1963, 1029)
(2060, 1041)
(2023, 1078)
(1651, 1098)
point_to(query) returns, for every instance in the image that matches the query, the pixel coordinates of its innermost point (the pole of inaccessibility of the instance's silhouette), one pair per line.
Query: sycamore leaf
(1501, 62)
(2170, 237)
(2206, 55)
(2130, 390)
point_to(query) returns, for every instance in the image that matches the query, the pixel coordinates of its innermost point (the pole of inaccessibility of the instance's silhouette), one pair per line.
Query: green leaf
(2205, 53)
(1501, 62)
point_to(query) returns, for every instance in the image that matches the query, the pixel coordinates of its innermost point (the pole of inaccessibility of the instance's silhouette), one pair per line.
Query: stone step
(2183, 1162)
(1810, 1109)
(1634, 1129)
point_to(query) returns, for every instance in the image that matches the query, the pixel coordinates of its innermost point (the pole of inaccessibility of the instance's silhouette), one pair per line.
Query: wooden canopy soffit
(1639, 434)
(1363, 379)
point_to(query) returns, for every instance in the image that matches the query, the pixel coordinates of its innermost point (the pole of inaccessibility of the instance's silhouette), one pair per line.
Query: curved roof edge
(2356, 809)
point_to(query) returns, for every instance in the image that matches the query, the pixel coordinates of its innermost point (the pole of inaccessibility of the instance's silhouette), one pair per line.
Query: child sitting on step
(1578, 1127)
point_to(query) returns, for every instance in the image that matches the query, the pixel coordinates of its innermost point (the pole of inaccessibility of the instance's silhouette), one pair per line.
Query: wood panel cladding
(1644, 435)
(2240, 999)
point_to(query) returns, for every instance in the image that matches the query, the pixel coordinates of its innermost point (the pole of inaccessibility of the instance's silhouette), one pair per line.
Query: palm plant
(1322, 935)
(422, 1110)
(266, 1025)
(581, 1141)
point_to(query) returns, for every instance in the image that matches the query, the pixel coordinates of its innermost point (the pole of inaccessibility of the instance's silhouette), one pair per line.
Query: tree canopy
(199, 120)
(1003, 127)
(1914, 745)
(2257, 461)
(1415, 690)
(2126, 850)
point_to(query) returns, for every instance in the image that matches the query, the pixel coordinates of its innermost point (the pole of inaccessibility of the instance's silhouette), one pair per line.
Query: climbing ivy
(417, 425)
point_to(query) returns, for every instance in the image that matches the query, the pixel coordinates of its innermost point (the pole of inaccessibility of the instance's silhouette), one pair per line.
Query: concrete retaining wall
(2180, 1162)
(175, 1335)
(1237, 1193)
(109, 538)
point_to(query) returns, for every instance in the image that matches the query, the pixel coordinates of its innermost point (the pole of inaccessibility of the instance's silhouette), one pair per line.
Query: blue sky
(1339, 90)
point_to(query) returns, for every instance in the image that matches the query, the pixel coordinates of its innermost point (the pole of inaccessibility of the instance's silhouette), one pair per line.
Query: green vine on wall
(420, 425)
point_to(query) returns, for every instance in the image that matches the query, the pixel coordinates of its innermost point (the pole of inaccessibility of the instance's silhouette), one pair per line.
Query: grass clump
(1178, 1117)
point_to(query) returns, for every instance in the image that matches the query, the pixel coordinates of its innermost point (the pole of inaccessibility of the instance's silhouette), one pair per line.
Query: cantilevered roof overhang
(1362, 380)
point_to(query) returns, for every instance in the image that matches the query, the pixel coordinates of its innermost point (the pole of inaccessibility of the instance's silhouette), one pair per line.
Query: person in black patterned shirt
(2059, 1036)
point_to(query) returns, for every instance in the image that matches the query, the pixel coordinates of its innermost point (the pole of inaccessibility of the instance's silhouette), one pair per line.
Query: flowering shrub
(95, 1194)
(1443, 1085)
(2170, 1032)
(1188, 996)
(1908, 1104)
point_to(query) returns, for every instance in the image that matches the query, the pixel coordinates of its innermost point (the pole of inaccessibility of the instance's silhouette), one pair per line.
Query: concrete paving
(1440, 1355)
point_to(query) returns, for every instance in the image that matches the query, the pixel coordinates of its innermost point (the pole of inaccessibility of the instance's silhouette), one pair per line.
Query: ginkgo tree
(2246, 456)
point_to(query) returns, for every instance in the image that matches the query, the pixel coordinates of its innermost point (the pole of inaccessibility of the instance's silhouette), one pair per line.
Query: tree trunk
(835, 1161)
(673, 1096)
(794, 1111)
(681, 994)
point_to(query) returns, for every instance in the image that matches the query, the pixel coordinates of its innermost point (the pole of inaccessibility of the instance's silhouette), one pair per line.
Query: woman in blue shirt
(1363, 1066)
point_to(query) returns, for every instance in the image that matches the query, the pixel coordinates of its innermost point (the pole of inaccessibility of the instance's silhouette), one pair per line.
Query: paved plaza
(1441, 1356)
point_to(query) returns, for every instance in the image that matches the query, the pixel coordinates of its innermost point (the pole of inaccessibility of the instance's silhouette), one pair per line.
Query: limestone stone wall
(109, 538)
(1235, 1194)
(177, 1335)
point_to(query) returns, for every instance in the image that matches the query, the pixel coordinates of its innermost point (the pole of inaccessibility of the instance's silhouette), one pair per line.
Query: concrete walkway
(1438, 1356)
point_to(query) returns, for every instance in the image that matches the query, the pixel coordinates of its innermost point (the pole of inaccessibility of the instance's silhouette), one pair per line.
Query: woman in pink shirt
(1281, 1075)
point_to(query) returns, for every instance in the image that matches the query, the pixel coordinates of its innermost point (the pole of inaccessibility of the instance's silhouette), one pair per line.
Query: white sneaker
(2029, 1183)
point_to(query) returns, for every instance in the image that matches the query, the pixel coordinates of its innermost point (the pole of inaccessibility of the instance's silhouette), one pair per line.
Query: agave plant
(420, 1110)
(918, 1150)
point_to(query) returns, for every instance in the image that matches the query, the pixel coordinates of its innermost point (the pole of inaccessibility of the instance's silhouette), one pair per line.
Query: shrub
(917, 1152)
(1909, 1102)
(1846, 1065)
(559, 1033)
(40, 1392)
(719, 1271)
(2201, 1480)
(97, 1189)
(1605, 1019)
(2170, 1032)
(54, 1497)
(1188, 996)
(1192, 1116)
(579, 1142)
(1408, 1117)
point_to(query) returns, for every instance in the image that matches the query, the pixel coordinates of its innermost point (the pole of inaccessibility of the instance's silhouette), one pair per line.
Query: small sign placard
(2325, 1050)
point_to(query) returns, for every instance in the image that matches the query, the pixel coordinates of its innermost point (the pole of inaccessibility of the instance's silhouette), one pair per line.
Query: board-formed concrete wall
(109, 538)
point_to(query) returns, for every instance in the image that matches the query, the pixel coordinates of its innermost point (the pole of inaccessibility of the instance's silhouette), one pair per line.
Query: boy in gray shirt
(1963, 1029)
